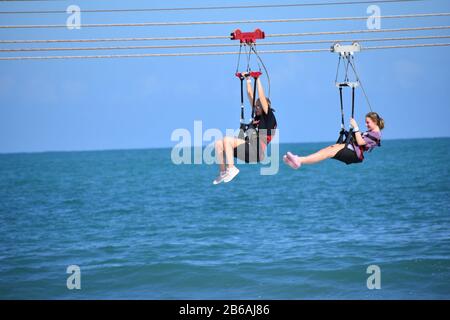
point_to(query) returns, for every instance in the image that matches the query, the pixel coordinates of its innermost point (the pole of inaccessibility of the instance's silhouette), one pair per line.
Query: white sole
(216, 183)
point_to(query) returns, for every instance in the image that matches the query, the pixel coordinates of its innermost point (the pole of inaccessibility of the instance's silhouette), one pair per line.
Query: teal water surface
(139, 226)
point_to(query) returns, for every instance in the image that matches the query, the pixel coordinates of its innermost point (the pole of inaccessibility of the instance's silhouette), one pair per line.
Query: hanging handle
(254, 74)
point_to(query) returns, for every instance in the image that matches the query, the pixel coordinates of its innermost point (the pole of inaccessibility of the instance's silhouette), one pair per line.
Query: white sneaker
(231, 173)
(220, 178)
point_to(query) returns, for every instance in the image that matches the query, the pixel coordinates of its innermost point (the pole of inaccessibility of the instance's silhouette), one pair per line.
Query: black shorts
(347, 156)
(248, 151)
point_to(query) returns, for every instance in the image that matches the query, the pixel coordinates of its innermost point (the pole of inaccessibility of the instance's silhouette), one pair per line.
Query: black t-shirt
(267, 122)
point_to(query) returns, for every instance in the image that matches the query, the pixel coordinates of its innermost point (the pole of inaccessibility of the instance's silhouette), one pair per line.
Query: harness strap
(374, 139)
(371, 137)
(351, 135)
(253, 117)
(254, 99)
(257, 145)
(342, 109)
(350, 138)
(242, 99)
(353, 102)
(242, 127)
(342, 133)
(362, 153)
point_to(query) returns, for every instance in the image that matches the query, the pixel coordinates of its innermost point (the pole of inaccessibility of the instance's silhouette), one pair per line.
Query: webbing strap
(242, 100)
(350, 137)
(257, 145)
(342, 109)
(342, 132)
(374, 139)
(353, 102)
(254, 99)
(351, 134)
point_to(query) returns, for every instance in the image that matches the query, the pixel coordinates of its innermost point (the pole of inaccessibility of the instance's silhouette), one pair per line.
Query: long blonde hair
(377, 119)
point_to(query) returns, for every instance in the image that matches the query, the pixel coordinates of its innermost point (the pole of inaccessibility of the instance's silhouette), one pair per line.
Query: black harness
(348, 136)
(244, 127)
(247, 128)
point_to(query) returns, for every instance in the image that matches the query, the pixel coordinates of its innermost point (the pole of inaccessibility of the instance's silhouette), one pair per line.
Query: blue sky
(137, 103)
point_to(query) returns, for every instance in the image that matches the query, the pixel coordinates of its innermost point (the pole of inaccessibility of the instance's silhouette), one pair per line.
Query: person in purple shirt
(353, 153)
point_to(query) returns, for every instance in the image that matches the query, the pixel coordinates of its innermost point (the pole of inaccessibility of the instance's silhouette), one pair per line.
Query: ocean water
(140, 227)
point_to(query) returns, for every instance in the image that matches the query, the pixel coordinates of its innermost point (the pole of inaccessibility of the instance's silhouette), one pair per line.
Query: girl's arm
(359, 139)
(262, 96)
(249, 89)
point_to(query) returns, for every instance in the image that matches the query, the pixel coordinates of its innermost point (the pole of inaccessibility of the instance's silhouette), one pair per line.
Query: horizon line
(168, 147)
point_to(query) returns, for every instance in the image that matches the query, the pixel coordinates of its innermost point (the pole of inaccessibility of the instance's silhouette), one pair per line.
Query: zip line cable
(225, 37)
(355, 32)
(407, 46)
(212, 45)
(185, 54)
(155, 55)
(192, 23)
(119, 39)
(263, 6)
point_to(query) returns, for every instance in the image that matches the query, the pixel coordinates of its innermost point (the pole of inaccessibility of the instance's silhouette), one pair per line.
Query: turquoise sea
(139, 226)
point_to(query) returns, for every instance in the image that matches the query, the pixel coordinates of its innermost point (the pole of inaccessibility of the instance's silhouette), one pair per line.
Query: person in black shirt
(252, 148)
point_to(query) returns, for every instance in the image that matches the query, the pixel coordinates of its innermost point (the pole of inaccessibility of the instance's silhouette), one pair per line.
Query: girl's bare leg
(321, 155)
(229, 144)
(219, 155)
